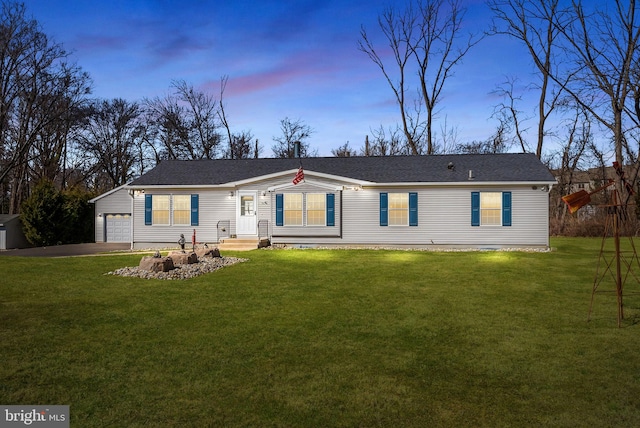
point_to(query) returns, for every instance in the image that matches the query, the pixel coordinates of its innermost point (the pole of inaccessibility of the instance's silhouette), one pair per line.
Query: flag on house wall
(299, 176)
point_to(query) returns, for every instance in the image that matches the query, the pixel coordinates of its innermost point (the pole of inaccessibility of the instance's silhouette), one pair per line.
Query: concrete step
(238, 244)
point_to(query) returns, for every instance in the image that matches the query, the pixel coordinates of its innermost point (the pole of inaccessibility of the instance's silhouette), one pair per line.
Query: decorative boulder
(208, 252)
(157, 264)
(180, 258)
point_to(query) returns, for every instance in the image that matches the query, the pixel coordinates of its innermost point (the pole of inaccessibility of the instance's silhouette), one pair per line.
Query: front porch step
(239, 244)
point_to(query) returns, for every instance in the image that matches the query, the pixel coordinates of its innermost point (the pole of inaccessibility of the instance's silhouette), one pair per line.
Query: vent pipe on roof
(471, 174)
(296, 149)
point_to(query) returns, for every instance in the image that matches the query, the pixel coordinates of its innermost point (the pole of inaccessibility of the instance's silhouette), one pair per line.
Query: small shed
(11, 233)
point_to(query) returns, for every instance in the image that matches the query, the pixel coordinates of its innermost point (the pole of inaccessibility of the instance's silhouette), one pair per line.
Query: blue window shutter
(148, 205)
(384, 209)
(506, 208)
(194, 210)
(413, 209)
(331, 209)
(475, 208)
(279, 209)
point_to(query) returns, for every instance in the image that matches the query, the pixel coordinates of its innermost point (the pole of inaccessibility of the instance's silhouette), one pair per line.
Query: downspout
(341, 192)
(133, 217)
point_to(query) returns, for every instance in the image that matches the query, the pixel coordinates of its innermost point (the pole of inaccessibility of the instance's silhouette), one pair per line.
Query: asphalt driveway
(68, 250)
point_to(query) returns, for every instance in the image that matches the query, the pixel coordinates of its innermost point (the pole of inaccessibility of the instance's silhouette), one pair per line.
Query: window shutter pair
(148, 210)
(475, 208)
(413, 209)
(330, 207)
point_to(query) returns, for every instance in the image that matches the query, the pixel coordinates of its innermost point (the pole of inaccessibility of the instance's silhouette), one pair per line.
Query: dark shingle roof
(506, 167)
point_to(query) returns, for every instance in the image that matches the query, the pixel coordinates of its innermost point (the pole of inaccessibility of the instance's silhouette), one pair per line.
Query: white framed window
(182, 210)
(491, 208)
(160, 210)
(316, 209)
(398, 209)
(293, 209)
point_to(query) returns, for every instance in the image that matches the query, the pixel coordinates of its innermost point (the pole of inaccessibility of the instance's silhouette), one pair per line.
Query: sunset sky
(296, 59)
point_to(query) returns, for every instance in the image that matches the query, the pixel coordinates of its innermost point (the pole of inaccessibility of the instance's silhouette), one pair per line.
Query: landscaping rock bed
(184, 271)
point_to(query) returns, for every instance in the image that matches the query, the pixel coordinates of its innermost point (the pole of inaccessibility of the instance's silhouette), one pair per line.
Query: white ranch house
(445, 201)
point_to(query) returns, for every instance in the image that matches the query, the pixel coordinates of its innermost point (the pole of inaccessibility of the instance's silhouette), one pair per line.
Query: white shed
(11, 234)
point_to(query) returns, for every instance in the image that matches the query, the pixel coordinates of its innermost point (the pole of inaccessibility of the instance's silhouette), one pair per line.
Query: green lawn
(319, 338)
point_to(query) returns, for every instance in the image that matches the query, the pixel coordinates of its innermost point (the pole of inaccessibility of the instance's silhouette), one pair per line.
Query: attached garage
(113, 221)
(118, 227)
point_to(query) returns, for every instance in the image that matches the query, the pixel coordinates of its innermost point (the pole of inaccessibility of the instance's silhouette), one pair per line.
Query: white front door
(246, 217)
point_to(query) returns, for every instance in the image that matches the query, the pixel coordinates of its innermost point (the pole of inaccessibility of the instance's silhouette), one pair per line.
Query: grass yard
(319, 338)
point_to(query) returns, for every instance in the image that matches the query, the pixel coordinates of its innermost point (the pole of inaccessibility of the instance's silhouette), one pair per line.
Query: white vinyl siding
(444, 219)
(118, 202)
(214, 207)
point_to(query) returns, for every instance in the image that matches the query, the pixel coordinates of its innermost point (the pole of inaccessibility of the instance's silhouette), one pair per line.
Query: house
(11, 234)
(478, 201)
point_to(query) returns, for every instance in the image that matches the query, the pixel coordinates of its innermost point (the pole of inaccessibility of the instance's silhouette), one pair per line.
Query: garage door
(118, 227)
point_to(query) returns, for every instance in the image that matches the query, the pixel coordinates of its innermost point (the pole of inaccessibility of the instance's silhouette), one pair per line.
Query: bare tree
(578, 139)
(293, 131)
(385, 143)
(111, 136)
(239, 144)
(344, 151)
(185, 123)
(449, 138)
(242, 146)
(35, 82)
(603, 45)
(537, 24)
(426, 39)
(202, 114)
(508, 110)
(499, 142)
(49, 155)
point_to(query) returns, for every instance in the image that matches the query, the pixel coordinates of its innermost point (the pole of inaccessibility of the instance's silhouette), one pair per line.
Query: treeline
(584, 78)
(52, 130)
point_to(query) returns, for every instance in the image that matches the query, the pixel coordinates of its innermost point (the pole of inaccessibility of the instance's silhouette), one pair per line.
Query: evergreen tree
(43, 215)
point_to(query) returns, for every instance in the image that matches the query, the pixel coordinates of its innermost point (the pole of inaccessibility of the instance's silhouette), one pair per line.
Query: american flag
(299, 176)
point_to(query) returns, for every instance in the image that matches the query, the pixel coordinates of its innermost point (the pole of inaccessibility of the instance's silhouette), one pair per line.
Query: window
(247, 206)
(305, 209)
(399, 209)
(316, 210)
(293, 209)
(157, 210)
(160, 209)
(490, 208)
(182, 209)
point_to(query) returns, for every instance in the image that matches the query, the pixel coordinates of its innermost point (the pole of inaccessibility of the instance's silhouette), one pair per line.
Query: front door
(246, 217)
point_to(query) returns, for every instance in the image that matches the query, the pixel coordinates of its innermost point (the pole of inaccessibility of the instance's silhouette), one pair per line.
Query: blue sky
(296, 59)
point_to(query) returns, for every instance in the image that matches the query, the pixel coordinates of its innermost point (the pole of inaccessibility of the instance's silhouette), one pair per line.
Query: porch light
(231, 193)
